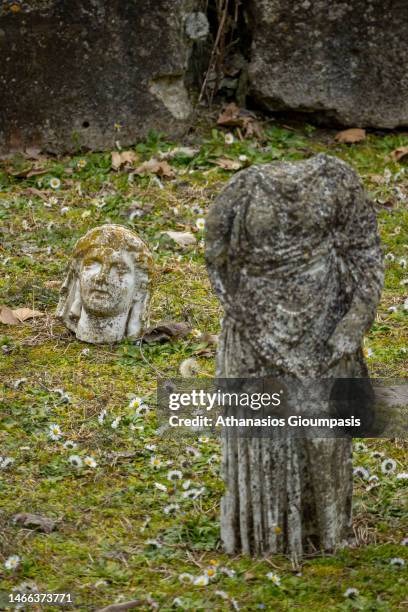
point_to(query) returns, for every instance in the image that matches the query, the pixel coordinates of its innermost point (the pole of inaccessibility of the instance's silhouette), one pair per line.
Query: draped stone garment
(294, 256)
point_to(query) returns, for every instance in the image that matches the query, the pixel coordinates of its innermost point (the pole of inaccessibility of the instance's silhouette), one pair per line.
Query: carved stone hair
(105, 237)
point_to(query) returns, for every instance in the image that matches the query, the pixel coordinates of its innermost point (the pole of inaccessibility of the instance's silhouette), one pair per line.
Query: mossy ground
(106, 515)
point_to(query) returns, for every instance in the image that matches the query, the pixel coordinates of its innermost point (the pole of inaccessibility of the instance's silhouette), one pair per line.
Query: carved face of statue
(105, 296)
(107, 281)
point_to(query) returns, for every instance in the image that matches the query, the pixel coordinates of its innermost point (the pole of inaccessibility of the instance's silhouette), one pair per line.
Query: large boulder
(344, 59)
(72, 69)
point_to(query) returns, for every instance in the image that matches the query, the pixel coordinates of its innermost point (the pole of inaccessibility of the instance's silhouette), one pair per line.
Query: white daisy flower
(90, 462)
(53, 201)
(402, 476)
(101, 417)
(201, 580)
(397, 562)
(171, 509)
(361, 472)
(11, 563)
(150, 447)
(190, 450)
(186, 484)
(193, 493)
(174, 475)
(81, 163)
(203, 439)
(160, 487)
(5, 462)
(243, 158)
(213, 459)
(388, 466)
(186, 578)
(142, 409)
(200, 223)
(64, 210)
(115, 423)
(75, 460)
(403, 262)
(55, 183)
(153, 543)
(155, 461)
(54, 432)
(351, 593)
(70, 445)
(393, 309)
(389, 257)
(274, 578)
(178, 602)
(211, 572)
(135, 402)
(360, 447)
(196, 210)
(229, 138)
(376, 454)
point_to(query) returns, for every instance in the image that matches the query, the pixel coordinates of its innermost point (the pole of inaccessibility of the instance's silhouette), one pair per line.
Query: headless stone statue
(294, 256)
(106, 294)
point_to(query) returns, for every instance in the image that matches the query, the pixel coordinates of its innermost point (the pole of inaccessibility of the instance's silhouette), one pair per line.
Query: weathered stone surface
(294, 257)
(106, 294)
(344, 58)
(72, 69)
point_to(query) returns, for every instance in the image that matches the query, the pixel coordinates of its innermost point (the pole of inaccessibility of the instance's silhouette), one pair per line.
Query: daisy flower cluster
(386, 466)
(56, 434)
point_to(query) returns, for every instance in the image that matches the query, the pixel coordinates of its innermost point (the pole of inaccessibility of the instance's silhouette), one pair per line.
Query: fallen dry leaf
(230, 116)
(350, 136)
(7, 317)
(23, 314)
(164, 331)
(18, 315)
(228, 164)
(124, 158)
(233, 116)
(181, 238)
(399, 153)
(153, 166)
(188, 152)
(33, 153)
(35, 521)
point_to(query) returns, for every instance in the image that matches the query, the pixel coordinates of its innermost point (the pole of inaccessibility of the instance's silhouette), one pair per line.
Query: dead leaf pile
(164, 331)
(233, 116)
(350, 136)
(188, 152)
(228, 164)
(123, 158)
(18, 315)
(398, 154)
(153, 166)
(35, 521)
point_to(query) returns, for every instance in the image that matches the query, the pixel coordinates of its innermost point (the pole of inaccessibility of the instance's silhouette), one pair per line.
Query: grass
(114, 540)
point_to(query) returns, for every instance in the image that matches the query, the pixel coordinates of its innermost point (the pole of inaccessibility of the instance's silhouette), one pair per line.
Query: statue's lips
(100, 293)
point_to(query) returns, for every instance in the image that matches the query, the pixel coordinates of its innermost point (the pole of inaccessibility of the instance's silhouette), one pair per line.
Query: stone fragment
(344, 60)
(106, 294)
(92, 72)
